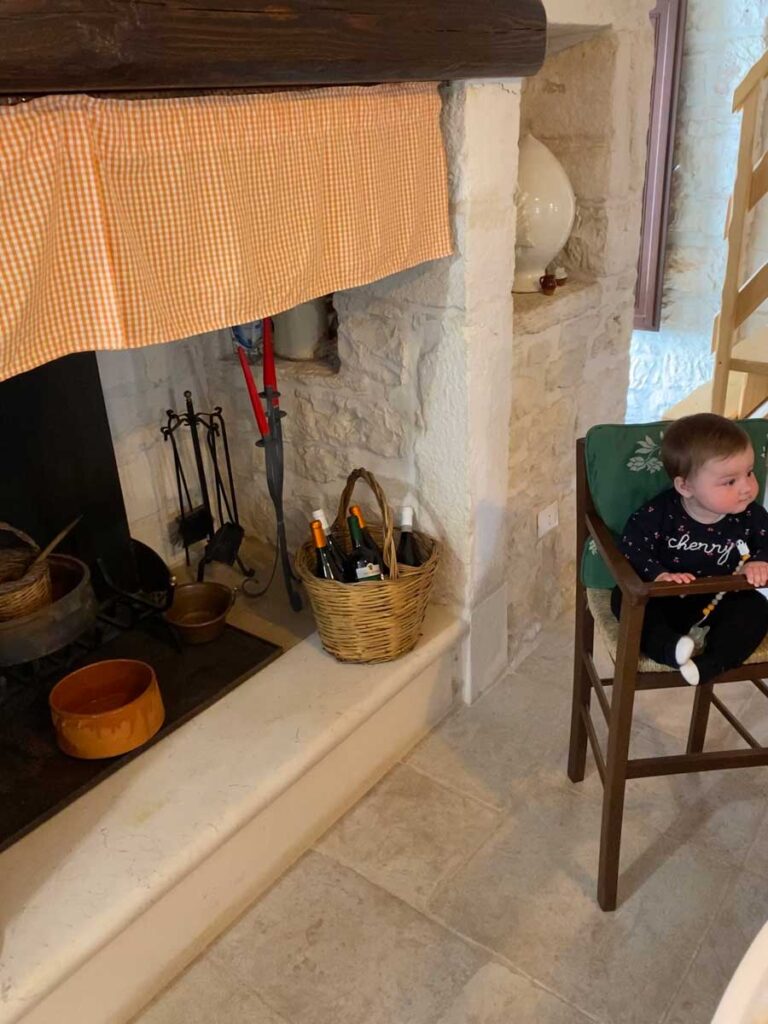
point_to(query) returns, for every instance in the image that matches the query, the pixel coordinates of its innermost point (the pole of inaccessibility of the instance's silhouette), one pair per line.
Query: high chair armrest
(703, 585)
(637, 591)
(633, 589)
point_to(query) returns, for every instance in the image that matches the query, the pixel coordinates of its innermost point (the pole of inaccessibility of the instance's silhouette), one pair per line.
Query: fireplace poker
(192, 422)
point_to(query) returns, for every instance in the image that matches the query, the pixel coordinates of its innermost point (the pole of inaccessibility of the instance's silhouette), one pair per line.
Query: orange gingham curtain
(131, 222)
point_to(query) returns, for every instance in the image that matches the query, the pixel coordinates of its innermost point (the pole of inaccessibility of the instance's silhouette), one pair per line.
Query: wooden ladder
(740, 381)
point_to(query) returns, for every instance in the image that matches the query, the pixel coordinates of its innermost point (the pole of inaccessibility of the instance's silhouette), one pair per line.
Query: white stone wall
(589, 105)
(139, 386)
(723, 39)
(362, 416)
(422, 397)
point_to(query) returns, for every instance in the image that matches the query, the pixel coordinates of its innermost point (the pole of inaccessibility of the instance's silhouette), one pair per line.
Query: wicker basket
(381, 619)
(21, 592)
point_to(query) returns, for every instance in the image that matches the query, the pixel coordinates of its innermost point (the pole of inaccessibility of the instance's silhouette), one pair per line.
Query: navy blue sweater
(662, 537)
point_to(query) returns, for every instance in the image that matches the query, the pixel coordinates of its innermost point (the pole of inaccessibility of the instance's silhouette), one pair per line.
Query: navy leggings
(736, 628)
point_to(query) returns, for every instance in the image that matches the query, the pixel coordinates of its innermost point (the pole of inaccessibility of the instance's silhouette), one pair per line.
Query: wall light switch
(548, 519)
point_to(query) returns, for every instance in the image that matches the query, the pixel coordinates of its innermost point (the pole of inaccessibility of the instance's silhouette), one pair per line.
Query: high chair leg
(582, 689)
(697, 733)
(619, 731)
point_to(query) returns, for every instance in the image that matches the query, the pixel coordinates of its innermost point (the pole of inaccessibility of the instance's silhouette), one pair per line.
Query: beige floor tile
(721, 810)
(753, 711)
(757, 857)
(553, 655)
(529, 894)
(517, 730)
(668, 711)
(742, 914)
(409, 834)
(208, 994)
(325, 946)
(496, 995)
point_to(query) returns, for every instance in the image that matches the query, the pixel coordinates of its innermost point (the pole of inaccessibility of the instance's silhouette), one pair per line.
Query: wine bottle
(368, 540)
(361, 567)
(325, 568)
(406, 548)
(337, 555)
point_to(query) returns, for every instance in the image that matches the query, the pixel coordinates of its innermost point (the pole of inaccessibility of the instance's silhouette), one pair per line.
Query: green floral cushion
(624, 471)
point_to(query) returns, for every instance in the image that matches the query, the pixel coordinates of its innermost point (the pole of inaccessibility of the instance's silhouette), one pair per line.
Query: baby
(701, 527)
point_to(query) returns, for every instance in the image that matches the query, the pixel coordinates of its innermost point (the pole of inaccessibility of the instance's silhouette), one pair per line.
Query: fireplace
(59, 463)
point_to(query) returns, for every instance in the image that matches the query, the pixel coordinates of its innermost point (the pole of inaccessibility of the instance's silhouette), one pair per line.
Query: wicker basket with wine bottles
(378, 619)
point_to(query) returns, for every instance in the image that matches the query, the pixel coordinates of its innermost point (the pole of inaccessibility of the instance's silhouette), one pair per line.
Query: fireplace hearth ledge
(105, 903)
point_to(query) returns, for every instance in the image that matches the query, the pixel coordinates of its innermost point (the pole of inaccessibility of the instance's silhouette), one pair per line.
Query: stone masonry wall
(422, 397)
(362, 416)
(723, 39)
(410, 401)
(139, 386)
(589, 105)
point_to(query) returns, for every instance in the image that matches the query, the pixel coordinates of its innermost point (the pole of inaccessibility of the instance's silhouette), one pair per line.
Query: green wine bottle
(325, 568)
(360, 566)
(368, 541)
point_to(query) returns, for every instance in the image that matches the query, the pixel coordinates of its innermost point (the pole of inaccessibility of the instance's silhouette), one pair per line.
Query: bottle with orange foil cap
(368, 541)
(325, 567)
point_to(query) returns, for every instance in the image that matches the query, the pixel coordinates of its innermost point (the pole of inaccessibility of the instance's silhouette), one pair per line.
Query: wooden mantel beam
(129, 45)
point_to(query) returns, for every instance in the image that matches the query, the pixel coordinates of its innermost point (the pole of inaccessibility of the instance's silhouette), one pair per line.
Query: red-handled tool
(270, 375)
(250, 383)
(271, 441)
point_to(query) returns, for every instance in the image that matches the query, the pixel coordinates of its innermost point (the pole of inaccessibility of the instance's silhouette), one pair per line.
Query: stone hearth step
(106, 902)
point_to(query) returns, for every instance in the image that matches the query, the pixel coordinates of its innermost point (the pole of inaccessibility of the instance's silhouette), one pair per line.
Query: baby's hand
(756, 573)
(675, 577)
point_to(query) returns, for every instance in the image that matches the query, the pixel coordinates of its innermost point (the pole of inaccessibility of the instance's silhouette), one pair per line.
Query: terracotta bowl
(199, 611)
(106, 709)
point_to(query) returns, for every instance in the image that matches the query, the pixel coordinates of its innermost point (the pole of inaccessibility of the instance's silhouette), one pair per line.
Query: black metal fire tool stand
(197, 522)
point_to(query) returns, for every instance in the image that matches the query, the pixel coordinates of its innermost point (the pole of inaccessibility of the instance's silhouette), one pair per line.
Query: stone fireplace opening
(109, 592)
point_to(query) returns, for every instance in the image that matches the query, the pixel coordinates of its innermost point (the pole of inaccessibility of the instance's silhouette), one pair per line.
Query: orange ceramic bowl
(106, 709)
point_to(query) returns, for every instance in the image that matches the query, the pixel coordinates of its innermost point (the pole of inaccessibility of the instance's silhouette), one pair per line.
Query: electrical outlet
(548, 519)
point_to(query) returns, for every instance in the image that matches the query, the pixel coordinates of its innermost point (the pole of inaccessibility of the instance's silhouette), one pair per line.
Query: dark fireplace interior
(59, 463)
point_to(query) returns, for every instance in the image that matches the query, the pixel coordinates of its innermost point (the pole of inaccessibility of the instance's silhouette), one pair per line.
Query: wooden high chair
(618, 470)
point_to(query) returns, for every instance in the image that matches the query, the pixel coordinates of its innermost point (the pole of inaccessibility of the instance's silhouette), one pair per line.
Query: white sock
(684, 650)
(690, 673)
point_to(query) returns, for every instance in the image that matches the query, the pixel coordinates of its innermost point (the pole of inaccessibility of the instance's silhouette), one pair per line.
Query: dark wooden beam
(128, 45)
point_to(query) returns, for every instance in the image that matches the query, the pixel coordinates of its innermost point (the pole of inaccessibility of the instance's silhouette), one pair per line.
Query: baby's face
(724, 486)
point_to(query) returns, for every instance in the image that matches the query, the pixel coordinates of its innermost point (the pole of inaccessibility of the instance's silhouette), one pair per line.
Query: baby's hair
(689, 442)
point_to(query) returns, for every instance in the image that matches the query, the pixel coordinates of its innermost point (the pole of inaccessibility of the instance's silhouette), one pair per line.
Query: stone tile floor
(461, 889)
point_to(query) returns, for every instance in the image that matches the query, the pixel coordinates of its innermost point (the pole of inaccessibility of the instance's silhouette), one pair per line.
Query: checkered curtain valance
(132, 222)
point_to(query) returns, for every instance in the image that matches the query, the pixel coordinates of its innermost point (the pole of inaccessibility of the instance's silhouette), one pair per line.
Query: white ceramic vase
(546, 207)
(298, 331)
